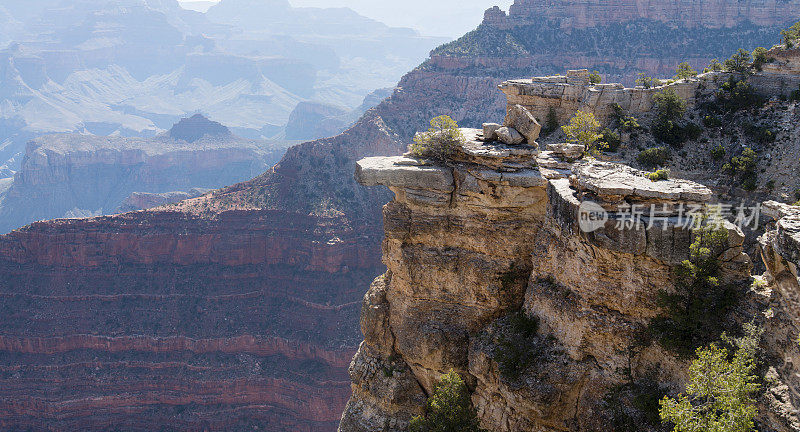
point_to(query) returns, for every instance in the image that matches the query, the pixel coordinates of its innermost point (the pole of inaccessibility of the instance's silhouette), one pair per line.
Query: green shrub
(583, 129)
(760, 58)
(668, 105)
(735, 95)
(611, 138)
(744, 168)
(653, 157)
(760, 134)
(693, 315)
(440, 141)
(790, 35)
(659, 175)
(626, 123)
(667, 128)
(718, 152)
(629, 124)
(595, 78)
(449, 409)
(739, 62)
(685, 71)
(673, 133)
(713, 66)
(517, 350)
(721, 389)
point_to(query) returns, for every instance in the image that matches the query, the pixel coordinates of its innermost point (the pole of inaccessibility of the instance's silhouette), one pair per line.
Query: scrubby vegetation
(693, 315)
(517, 349)
(595, 78)
(440, 141)
(791, 35)
(740, 62)
(551, 122)
(669, 126)
(720, 393)
(611, 138)
(759, 134)
(735, 95)
(659, 175)
(713, 66)
(653, 157)
(449, 409)
(634, 406)
(718, 152)
(743, 168)
(647, 81)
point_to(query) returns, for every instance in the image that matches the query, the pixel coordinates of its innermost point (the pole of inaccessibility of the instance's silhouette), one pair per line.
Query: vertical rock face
(502, 230)
(684, 13)
(619, 38)
(495, 233)
(780, 251)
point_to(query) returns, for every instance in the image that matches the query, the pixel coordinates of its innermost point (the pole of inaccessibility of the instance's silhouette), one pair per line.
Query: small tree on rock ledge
(440, 141)
(584, 129)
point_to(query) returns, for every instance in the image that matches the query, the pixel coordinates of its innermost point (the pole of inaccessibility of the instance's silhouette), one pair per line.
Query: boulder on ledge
(524, 122)
(510, 136)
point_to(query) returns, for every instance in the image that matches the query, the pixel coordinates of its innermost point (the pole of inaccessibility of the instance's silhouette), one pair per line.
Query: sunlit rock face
(499, 229)
(620, 39)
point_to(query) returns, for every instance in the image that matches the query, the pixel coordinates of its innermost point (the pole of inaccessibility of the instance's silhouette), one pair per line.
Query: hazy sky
(450, 18)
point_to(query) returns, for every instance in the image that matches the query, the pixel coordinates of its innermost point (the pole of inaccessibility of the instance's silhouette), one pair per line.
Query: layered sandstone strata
(566, 94)
(240, 320)
(475, 240)
(618, 38)
(685, 13)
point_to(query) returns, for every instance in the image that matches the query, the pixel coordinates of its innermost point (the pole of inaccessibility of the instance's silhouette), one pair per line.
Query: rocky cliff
(503, 231)
(544, 35)
(684, 13)
(468, 245)
(304, 238)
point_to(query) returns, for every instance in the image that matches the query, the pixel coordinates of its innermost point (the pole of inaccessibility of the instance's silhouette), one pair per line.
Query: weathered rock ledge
(488, 233)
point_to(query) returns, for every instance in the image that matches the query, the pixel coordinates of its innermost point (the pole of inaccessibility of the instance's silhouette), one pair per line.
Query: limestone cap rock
(402, 171)
(613, 182)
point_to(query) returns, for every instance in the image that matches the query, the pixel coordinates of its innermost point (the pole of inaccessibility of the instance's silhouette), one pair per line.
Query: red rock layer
(169, 319)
